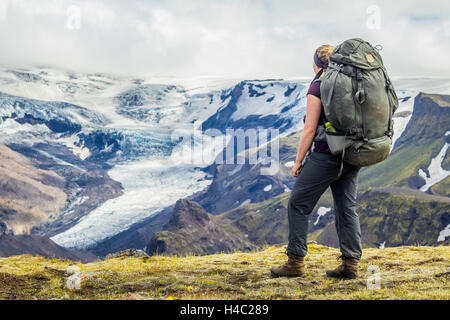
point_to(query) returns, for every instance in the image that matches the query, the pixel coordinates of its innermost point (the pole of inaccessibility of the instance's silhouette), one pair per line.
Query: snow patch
(321, 212)
(406, 104)
(78, 202)
(444, 233)
(12, 131)
(268, 100)
(435, 171)
(73, 143)
(268, 187)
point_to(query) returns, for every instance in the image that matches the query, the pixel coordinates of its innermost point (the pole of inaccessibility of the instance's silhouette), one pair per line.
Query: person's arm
(313, 109)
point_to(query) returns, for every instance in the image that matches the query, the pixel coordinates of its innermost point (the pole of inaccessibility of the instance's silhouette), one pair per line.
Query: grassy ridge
(405, 273)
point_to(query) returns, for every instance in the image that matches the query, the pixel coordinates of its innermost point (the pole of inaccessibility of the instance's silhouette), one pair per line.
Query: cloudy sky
(231, 38)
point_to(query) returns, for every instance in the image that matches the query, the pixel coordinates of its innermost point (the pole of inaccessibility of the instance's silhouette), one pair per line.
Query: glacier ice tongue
(150, 186)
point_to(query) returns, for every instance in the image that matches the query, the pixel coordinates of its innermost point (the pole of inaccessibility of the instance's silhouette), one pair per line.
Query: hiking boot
(347, 270)
(293, 268)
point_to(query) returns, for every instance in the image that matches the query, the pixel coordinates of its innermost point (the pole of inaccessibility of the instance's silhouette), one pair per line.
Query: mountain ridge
(192, 230)
(11, 245)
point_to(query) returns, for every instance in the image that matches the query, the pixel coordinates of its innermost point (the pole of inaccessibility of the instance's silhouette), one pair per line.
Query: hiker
(349, 110)
(314, 174)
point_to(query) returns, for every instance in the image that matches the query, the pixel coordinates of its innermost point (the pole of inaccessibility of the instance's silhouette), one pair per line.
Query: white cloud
(224, 38)
(163, 22)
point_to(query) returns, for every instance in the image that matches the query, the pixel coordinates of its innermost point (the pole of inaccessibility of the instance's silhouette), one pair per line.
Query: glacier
(150, 185)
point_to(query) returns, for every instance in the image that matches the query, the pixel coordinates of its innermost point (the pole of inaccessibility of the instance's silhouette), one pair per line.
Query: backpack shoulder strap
(317, 76)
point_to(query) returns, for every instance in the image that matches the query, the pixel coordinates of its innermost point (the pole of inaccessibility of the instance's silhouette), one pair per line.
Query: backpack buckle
(359, 75)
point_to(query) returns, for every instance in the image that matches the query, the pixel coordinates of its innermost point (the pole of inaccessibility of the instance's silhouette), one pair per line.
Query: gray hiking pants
(317, 174)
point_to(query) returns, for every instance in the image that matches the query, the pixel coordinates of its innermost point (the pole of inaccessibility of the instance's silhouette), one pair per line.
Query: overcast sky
(230, 38)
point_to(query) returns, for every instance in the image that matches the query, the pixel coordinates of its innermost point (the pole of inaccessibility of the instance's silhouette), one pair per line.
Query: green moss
(446, 162)
(406, 273)
(442, 188)
(402, 219)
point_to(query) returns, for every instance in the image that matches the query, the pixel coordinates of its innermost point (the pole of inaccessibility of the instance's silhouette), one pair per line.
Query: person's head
(321, 56)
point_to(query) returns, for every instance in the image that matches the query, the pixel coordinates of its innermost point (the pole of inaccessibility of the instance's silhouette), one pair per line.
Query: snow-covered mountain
(125, 125)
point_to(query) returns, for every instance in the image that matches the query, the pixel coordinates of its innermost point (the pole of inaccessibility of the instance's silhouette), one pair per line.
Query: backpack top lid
(358, 53)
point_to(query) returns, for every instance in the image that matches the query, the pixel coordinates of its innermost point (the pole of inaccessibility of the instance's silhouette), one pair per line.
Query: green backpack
(359, 100)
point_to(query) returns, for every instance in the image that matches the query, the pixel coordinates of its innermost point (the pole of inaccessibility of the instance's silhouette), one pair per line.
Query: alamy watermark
(374, 278)
(73, 21)
(75, 277)
(236, 146)
(373, 21)
(3, 9)
(73, 282)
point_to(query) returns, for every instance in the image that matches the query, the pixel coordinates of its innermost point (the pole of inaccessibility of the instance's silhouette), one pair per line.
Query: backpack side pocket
(337, 142)
(320, 134)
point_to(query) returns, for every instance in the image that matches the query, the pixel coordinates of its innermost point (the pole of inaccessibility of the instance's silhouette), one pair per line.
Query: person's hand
(295, 169)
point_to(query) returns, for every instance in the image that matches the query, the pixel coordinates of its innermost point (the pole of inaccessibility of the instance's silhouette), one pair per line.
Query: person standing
(314, 174)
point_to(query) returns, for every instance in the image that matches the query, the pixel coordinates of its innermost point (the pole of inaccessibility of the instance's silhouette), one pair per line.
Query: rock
(129, 253)
(3, 228)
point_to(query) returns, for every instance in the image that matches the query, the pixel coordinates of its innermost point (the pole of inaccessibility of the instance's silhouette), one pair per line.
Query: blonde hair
(324, 52)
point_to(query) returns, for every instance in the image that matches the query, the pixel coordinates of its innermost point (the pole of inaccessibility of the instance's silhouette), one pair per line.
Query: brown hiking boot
(347, 270)
(293, 268)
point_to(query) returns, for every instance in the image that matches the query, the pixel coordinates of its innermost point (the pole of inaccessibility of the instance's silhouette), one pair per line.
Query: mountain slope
(44, 195)
(242, 187)
(423, 139)
(405, 273)
(191, 230)
(235, 185)
(271, 103)
(136, 237)
(395, 216)
(37, 245)
(29, 196)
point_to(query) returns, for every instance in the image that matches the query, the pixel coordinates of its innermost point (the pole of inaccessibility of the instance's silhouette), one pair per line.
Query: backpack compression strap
(389, 87)
(359, 94)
